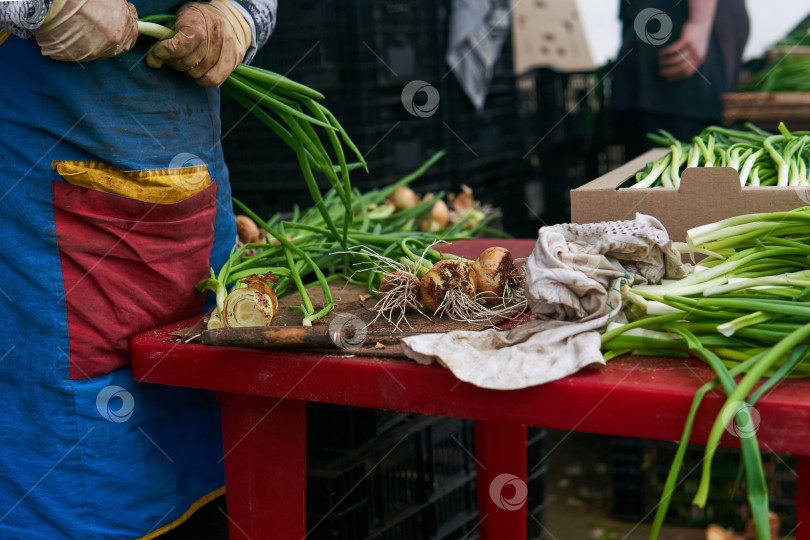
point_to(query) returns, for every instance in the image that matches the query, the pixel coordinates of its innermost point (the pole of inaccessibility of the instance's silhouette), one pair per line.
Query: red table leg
(803, 498)
(501, 453)
(265, 466)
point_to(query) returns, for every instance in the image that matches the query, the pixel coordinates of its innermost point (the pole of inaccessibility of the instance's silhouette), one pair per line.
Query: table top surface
(632, 396)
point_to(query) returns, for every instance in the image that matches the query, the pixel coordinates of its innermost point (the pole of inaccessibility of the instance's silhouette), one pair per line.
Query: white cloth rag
(573, 284)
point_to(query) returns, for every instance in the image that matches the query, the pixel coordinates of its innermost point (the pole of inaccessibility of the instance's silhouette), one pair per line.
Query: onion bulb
(463, 201)
(404, 197)
(447, 287)
(248, 231)
(439, 215)
(492, 269)
(254, 305)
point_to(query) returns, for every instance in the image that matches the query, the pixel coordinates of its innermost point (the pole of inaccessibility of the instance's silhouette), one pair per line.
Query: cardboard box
(706, 195)
(549, 34)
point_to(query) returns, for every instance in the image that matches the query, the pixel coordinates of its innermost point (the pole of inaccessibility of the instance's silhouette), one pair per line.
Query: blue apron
(86, 452)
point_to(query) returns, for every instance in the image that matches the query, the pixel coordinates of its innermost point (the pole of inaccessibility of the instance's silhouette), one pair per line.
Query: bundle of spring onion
(762, 158)
(790, 73)
(291, 111)
(788, 64)
(744, 312)
(390, 253)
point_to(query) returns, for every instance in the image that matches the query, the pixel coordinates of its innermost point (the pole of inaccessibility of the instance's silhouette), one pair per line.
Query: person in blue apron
(114, 201)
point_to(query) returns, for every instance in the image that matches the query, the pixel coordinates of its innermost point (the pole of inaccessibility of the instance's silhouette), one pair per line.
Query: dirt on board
(350, 301)
(352, 304)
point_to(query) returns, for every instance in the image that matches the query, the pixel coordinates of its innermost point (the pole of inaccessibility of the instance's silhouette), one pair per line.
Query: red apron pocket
(127, 266)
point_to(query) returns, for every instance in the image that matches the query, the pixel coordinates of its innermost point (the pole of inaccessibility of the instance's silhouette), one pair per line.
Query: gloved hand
(84, 30)
(211, 42)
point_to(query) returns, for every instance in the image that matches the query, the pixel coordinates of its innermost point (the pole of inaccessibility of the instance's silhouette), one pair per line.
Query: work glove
(84, 30)
(211, 41)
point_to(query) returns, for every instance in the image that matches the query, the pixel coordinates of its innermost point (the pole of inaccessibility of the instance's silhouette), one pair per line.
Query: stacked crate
(566, 123)
(413, 476)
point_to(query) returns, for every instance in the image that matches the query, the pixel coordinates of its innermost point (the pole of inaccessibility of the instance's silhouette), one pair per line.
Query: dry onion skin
(463, 201)
(492, 269)
(448, 287)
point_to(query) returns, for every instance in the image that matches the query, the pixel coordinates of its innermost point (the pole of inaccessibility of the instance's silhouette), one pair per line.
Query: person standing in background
(675, 60)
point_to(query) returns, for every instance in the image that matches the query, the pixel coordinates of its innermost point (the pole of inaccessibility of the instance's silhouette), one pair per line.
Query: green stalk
(267, 99)
(276, 81)
(677, 461)
(757, 490)
(743, 389)
(289, 245)
(154, 30)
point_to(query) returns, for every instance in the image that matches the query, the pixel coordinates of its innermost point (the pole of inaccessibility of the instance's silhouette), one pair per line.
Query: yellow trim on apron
(4, 35)
(149, 185)
(187, 514)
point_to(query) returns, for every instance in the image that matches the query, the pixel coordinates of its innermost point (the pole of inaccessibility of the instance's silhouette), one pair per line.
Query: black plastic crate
(334, 430)
(560, 107)
(398, 42)
(410, 482)
(639, 468)
(563, 167)
(395, 150)
(310, 43)
(486, 135)
(536, 482)
(414, 480)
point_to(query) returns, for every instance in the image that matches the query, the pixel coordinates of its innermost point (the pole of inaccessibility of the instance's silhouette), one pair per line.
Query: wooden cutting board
(352, 303)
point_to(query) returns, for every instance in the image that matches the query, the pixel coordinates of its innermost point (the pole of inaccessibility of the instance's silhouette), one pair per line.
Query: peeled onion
(446, 277)
(492, 269)
(254, 305)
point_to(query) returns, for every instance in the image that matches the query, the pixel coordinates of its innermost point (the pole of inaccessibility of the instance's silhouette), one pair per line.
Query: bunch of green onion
(788, 66)
(790, 73)
(292, 112)
(744, 312)
(760, 157)
(306, 245)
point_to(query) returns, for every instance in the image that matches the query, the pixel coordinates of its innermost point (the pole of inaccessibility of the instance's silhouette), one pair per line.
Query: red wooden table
(263, 393)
